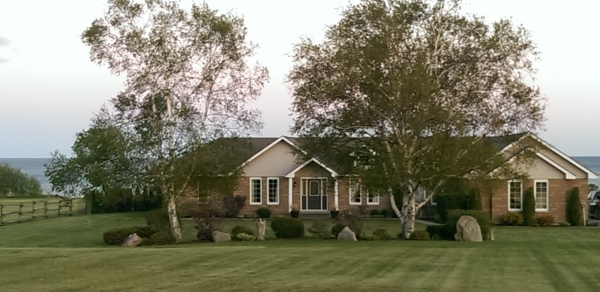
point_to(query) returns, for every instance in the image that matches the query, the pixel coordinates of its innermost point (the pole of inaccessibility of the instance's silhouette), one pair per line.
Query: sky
(49, 89)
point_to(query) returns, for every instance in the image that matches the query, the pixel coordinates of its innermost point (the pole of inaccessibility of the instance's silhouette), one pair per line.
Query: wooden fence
(16, 212)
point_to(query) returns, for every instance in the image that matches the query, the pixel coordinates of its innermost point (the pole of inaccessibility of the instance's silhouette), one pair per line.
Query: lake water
(35, 167)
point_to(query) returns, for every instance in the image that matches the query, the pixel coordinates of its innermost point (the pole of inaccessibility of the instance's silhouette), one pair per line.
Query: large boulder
(346, 234)
(467, 229)
(219, 236)
(132, 240)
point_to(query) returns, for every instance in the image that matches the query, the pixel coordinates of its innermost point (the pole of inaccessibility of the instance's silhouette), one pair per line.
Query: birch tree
(414, 88)
(188, 82)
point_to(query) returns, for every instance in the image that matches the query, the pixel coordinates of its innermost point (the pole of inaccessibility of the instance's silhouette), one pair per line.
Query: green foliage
(457, 194)
(158, 219)
(441, 232)
(241, 229)
(375, 212)
(528, 207)
(337, 228)
(206, 223)
(285, 227)
(511, 218)
(544, 220)
(382, 234)
(564, 224)
(592, 187)
(384, 213)
(263, 212)
(233, 204)
(162, 238)
(574, 212)
(416, 235)
(116, 236)
(354, 221)
(245, 237)
(482, 217)
(318, 227)
(13, 182)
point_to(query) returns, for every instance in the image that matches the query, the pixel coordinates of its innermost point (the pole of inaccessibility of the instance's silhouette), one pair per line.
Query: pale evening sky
(49, 89)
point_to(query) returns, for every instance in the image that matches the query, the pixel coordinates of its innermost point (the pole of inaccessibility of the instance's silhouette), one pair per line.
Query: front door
(314, 196)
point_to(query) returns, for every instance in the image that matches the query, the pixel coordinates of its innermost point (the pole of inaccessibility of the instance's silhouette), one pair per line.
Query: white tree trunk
(173, 220)
(407, 215)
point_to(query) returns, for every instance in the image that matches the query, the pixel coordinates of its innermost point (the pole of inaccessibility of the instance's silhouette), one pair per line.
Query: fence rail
(16, 212)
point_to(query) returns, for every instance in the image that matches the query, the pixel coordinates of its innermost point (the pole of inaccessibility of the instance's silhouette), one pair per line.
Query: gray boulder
(346, 234)
(467, 229)
(219, 236)
(132, 240)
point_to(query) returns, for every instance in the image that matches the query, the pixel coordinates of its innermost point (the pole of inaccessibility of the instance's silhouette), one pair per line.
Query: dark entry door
(314, 197)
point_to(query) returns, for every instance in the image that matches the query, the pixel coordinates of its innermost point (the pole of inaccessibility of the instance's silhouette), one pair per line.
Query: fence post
(20, 210)
(1, 213)
(59, 205)
(33, 210)
(46, 209)
(71, 208)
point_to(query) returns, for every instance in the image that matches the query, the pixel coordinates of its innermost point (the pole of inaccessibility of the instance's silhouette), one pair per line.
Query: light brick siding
(559, 190)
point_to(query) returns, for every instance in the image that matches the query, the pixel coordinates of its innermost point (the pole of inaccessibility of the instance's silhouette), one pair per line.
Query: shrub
(511, 219)
(233, 204)
(574, 212)
(544, 220)
(14, 182)
(158, 219)
(528, 207)
(441, 232)
(245, 237)
(318, 227)
(263, 212)
(287, 227)
(206, 223)
(383, 213)
(564, 224)
(337, 228)
(241, 229)
(187, 207)
(374, 213)
(161, 238)
(354, 221)
(116, 236)
(417, 235)
(482, 217)
(382, 234)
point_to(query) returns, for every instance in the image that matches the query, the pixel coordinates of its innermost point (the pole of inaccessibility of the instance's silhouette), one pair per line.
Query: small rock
(132, 240)
(347, 234)
(219, 236)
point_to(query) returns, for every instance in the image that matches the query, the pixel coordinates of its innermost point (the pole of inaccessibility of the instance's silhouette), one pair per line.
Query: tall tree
(414, 87)
(188, 82)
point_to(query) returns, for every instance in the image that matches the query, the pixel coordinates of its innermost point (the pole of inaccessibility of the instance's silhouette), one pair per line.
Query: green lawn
(67, 254)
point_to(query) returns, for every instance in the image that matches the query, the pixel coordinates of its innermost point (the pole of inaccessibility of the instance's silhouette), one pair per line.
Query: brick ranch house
(274, 178)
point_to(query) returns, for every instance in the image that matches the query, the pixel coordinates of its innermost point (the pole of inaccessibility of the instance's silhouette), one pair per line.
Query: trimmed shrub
(374, 213)
(511, 219)
(158, 219)
(528, 207)
(544, 220)
(245, 237)
(241, 229)
(417, 235)
(574, 212)
(161, 238)
(382, 234)
(263, 212)
(287, 227)
(564, 224)
(116, 236)
(441, 232)
(337, 228)
(384, 213)
(233, 204)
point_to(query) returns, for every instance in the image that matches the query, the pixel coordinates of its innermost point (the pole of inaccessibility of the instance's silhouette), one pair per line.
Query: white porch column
(290, 189)
(336, 193)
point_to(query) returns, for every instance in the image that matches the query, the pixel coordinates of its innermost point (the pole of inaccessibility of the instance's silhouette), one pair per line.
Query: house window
(541, 195)
(255, 191)
(373, 200)
(273, 191)
(355, 192)
(515, 195)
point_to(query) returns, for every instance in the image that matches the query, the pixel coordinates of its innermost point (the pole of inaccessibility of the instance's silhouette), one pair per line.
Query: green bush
(456, 194)
(337, 228)
(382, 234)
(162, 238)
(544, 220)
(14, 182)
(384, 213)
(574, 212)
(206, 223)
(564, 224)
(241, 229)
(245, 237)
(287, 227)
(116, 236)
(417, 235)
(374, 213)
(263, 212)
(528, 207)
(482, 217)
(511, 219)
(441, 232)
(318, 228)
(158, 219)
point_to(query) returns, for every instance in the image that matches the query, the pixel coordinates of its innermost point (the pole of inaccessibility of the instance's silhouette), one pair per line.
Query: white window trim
(373, 197)
(433, 201)
(277, 190)
(260, 193)
(351, 195)
(508, 192)
(547, 193)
